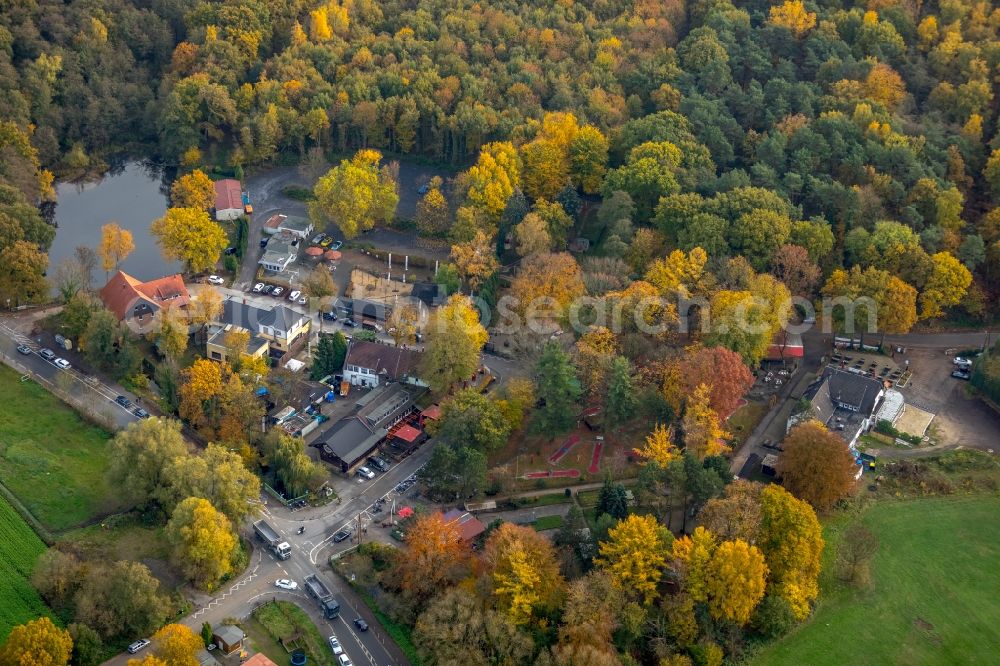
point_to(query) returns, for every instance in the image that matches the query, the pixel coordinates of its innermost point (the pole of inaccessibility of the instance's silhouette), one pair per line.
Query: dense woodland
(736, 152)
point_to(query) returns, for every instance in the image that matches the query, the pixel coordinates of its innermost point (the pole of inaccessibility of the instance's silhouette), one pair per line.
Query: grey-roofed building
(280, 325)
(278, 256)
(349, 441)
(845, 402)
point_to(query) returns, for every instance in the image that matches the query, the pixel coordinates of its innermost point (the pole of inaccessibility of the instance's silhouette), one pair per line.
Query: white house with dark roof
(280, 326)
(845, 402)
(278, 256)
(372, 364)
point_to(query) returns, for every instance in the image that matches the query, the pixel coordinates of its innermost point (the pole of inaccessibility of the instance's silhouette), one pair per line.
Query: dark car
(380, 464)
(230, 250)
(268, 289)
(350, 323)
(330, 316)
(360, 624)
(341, 536)
(124, 402)
(46, 353)
(961, 374)
(424, 189)
(23, 349)
(263, 241)
(141, 413)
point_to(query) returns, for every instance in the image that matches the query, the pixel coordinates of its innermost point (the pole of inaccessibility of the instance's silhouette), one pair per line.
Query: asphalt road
(311, 551)
(88, 393)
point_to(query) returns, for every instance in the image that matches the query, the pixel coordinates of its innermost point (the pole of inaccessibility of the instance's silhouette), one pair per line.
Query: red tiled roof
(275, 221)
(124, 291)
(408, 434)
(469, 527)
(228, 194)
(259, 660)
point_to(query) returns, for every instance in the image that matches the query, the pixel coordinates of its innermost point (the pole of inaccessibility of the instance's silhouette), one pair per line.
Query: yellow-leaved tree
(191, 236)
(116, 244)
(691, 556)
(475, 260)
(947, 284)
(203, 541)
(37, 643)
(736, 579)
(792, 542)
(177, 645)
(703, 434)
(793, 15)
(199, 392)
(546, 285)
(193, 190)
(594, 351)
(659, 448)
(680, 275)
(635, 555)
(355, 194)
(434, 551)
(454, 340)
(493, 178)
(525, 572)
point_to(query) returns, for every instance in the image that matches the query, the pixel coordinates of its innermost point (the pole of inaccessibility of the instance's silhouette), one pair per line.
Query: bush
(298, 193)
(886, 428)
(773, 617)
(231, 263)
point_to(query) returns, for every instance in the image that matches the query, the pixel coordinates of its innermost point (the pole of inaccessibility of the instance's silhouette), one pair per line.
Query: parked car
(350, 323)
(302, 300)
(278, 291)
(138, 645)
(263, 241)
(230, 250)
(380, 464)
(62, 363)
(123, 401)
(215, 279)
(46, 353)
(326, 242)
(23, 349)
(335, 645)
(424, 189)
(317, 239)
(294, 295)
(141, 413)
(961, 374)
(286, 584)
(268, 289)
(341, 536)
(360, 624)
(366, 473)
(336, 245)
(257, 288)
(345, 660)
(330, 316)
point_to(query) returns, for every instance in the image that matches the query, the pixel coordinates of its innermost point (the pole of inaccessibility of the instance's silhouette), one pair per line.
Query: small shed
(769, 465)
(228, 637)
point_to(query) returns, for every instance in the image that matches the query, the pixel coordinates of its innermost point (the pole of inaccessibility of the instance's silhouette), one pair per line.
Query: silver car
(335, 645)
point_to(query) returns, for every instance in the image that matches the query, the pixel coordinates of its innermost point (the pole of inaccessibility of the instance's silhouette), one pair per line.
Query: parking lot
(962, 420)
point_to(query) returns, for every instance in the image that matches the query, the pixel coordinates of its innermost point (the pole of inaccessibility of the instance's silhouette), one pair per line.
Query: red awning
(408, 434)
(432, 412)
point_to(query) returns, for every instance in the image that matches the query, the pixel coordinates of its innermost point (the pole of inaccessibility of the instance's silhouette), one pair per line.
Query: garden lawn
(285, 620)
(933, 598)
(53, 460)
(19, 549)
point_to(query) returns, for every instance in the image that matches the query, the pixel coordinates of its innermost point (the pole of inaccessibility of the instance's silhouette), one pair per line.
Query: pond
(132, 194)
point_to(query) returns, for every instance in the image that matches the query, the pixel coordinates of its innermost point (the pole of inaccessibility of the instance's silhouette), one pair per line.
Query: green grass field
(50, 458)
(933, 598)
(285, 620)
(19, 549)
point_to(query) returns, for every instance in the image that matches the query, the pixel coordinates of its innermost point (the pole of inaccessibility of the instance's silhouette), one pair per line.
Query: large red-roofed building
(134, 300)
